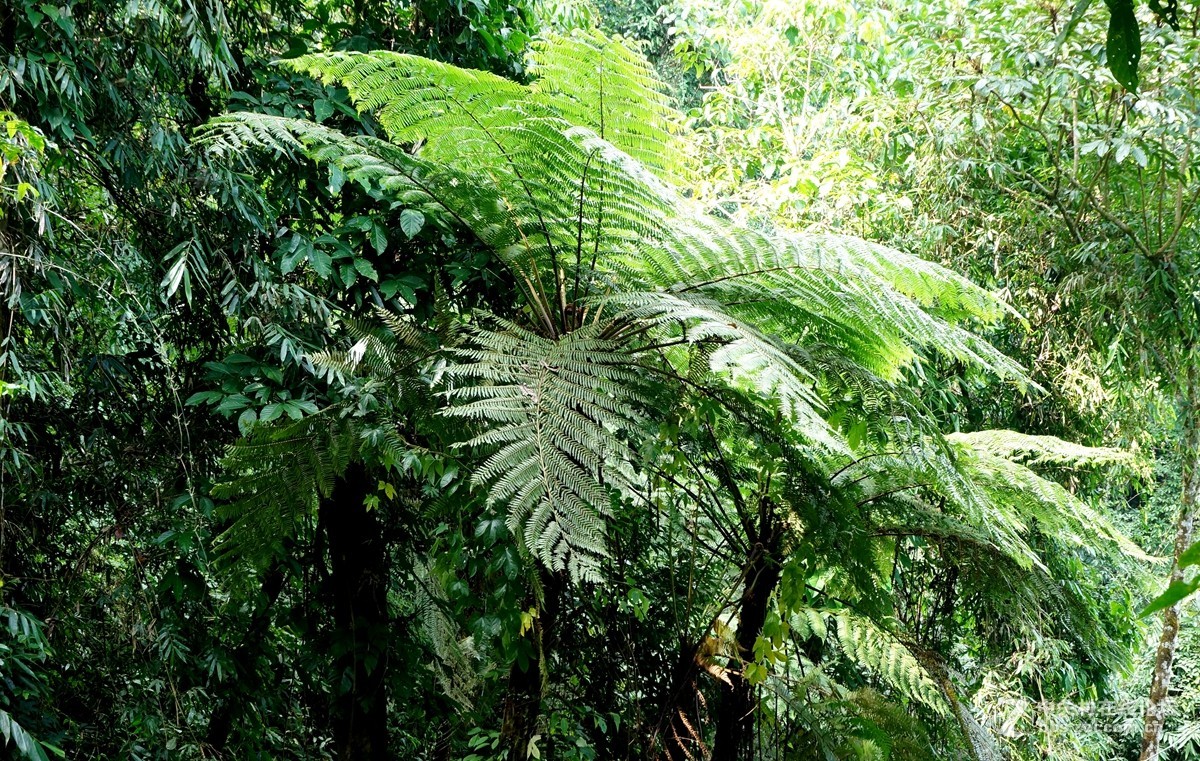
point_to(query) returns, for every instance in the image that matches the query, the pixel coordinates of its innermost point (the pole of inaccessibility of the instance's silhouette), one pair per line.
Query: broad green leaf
(337, 178)
(297, 408)
(246, 421)
(177, 273)
(204, 397)
(411, 222)
(379, 237)
(234, 403)
(1077, 13)
(291, 260)
(360, 223)
(366, 269)
(322, 262)
(394, 287)
(1124, 45)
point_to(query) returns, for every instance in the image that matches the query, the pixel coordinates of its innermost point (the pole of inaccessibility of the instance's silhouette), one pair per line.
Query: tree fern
(570, 193)
(569, 182)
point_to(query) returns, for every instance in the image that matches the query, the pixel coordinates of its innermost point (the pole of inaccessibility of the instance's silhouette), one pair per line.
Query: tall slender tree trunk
(358, 586)
(737, 711)
(1164, 660)
(247, 680)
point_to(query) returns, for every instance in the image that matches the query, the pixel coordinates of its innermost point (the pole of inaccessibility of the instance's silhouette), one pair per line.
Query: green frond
(391, 351)
(1015, 486)
(1044, 450)
(881, 654)
(416, 99)
(917, 484)
(939, 290)
(276, 477)
(455, 667)
(875, 651)
(554, 414)
(799, 286)
(597, 82)
(810, 623)
(734, 349)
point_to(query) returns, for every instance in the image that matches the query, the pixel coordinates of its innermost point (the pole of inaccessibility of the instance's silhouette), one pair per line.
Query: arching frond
(874, 650)
(985, 457)
(597, 82)
(736, 350)
(807, 286)
(275, 478)
(1043, 450)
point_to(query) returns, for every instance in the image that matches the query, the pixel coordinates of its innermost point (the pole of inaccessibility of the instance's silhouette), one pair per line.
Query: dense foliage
(505, 380)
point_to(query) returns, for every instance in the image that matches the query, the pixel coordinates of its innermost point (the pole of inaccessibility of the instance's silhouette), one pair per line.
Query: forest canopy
(558, 379)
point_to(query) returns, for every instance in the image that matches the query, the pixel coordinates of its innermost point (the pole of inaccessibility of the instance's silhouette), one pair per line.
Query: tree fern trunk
(737, 711)
(522, 704)
(358, 586)
(1164, 660)
(523, 701)
(678, 735)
